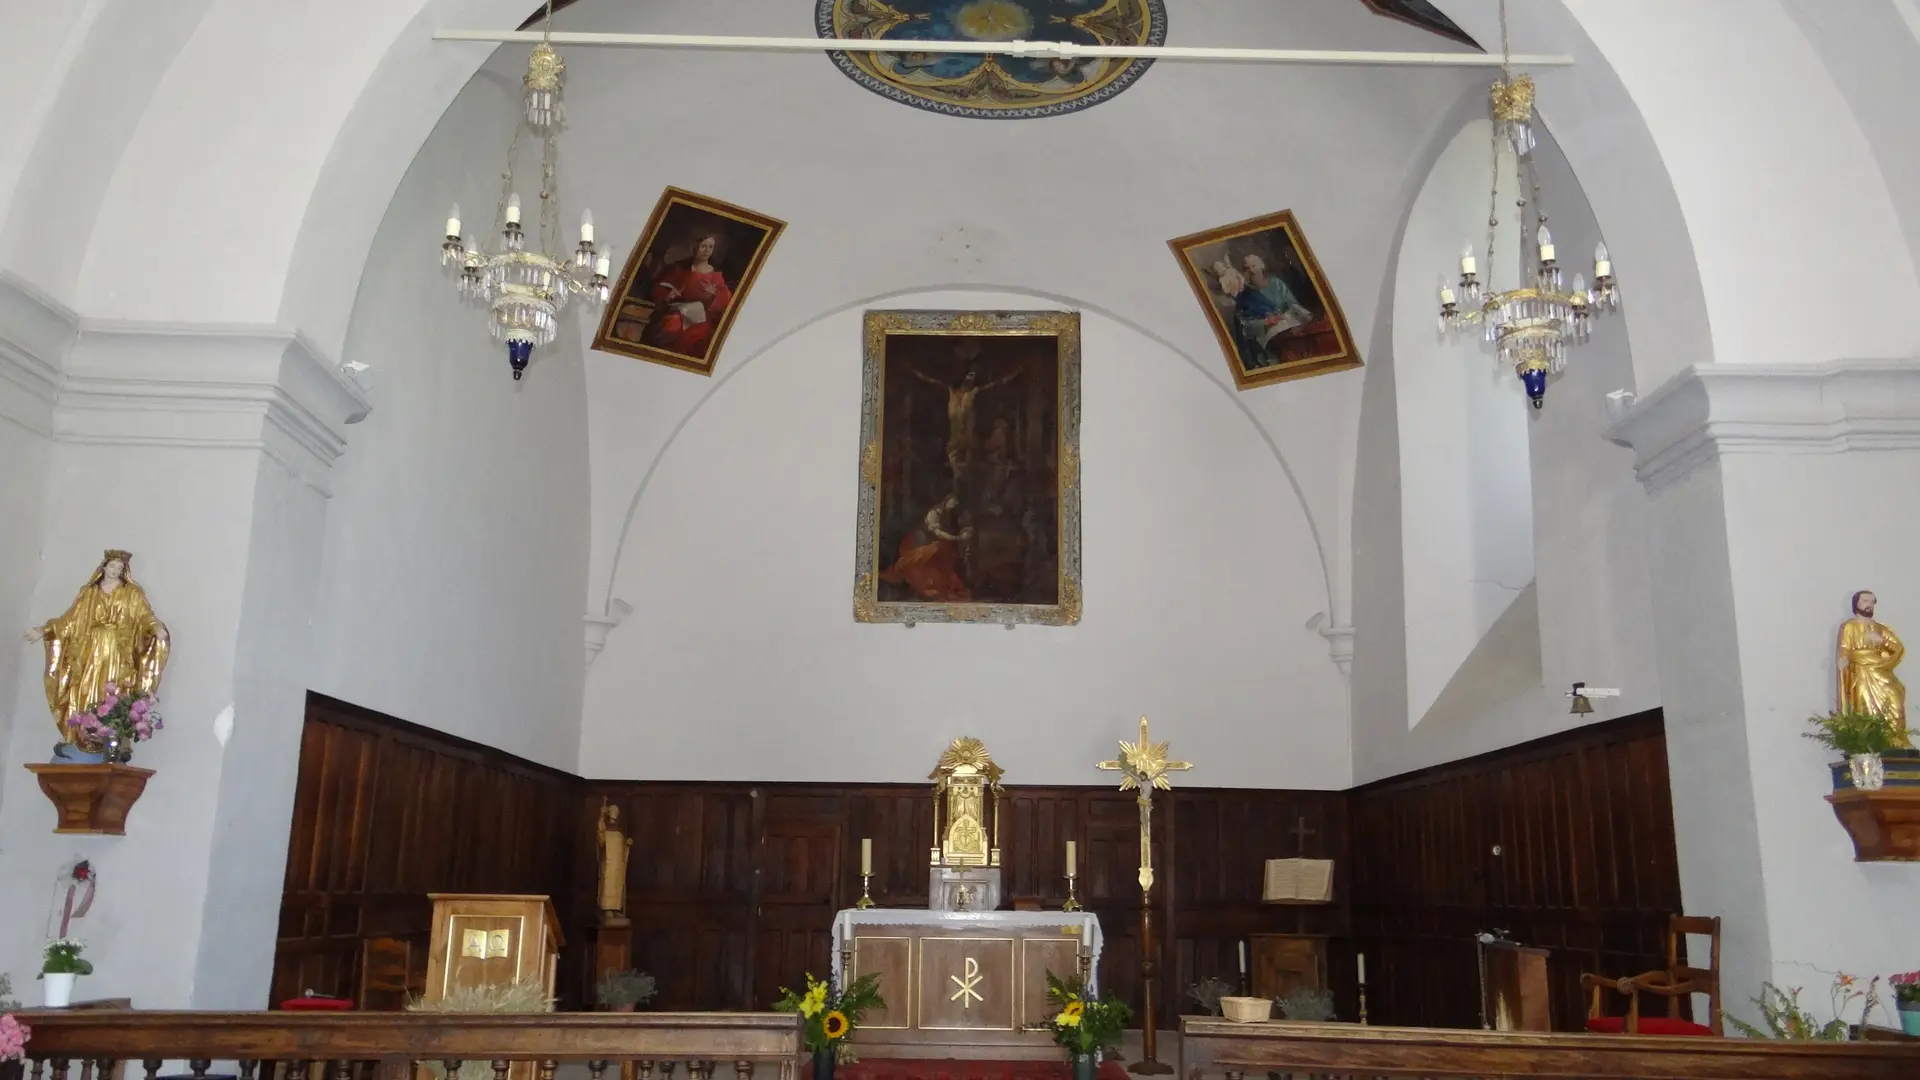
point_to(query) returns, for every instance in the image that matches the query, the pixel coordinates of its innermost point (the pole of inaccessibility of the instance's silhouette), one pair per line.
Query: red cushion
(1649, 1025)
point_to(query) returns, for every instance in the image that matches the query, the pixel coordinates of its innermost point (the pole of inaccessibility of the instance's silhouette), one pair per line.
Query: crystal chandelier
(524, 289)
(1531, 326)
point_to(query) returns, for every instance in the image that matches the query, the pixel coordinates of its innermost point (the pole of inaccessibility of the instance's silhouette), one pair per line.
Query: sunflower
(1069, 1015)
(835, 1024)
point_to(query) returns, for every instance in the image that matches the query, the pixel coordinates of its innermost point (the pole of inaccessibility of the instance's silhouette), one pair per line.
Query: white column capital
(598, 626)
(1711, 410)
(208, 386)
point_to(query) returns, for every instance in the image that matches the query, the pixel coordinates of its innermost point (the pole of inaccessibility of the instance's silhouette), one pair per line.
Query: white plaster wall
(1796, 511)
(1778, 179)
(1466, 512)
(184, 514)
(456, 545)
(1587, 614)
(53, 34)
(742, 659)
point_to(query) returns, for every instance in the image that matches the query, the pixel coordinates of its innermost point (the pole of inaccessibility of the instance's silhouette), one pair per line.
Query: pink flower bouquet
(123, 718)
(1906, 990)
(13, 1039)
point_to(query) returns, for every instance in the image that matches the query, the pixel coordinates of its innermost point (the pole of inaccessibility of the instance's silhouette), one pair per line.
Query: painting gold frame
(1327, 346)
(1063, 327)
(678, 214)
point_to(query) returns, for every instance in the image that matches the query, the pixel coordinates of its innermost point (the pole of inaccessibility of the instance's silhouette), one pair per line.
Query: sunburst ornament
(1143, 766)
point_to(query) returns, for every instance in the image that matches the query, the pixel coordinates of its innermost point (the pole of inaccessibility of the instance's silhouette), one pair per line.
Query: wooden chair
(1676, 982)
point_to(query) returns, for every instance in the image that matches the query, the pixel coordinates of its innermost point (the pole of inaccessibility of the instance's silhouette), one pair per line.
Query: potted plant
(620, 991)
(831, 1016)
(1307, 1004)
(1784, 1018)
(1906, 995)
(1861, 738)
(1083, 1026)
(63, 964)
(529, 996)
(1207, 993)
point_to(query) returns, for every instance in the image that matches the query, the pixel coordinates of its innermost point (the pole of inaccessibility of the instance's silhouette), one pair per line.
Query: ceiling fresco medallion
(1001, 87)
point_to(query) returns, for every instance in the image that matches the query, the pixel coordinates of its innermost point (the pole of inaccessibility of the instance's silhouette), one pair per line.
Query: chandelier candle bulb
(513, 209)
(600, 268)
(1467, 264)
(453, 222)
(1072, 854)
(586, 226)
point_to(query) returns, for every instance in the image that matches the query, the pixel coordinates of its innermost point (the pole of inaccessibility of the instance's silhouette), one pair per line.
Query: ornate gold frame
(1064, 327)
(604, 339)
(1346, 357)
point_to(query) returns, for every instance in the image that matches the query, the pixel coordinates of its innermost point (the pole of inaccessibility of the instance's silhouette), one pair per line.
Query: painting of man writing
(1267, 300)
(685, 281)
(969, 487)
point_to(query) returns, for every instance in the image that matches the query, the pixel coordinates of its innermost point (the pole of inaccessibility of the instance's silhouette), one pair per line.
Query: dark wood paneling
(1586, 868)
(386, 812)
(733, 887)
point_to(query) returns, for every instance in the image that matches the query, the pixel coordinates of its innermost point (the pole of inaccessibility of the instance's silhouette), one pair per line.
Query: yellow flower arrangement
(830, 1017)
(1084, 1025)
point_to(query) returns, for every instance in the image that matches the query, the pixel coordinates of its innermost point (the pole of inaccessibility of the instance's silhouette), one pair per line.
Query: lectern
(483, 940)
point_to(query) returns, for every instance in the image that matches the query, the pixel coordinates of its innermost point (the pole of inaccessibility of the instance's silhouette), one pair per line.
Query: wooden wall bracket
(92, 799)
(1884, 824)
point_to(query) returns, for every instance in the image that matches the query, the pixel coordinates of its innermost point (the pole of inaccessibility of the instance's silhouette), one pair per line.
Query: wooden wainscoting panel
(1586, 868)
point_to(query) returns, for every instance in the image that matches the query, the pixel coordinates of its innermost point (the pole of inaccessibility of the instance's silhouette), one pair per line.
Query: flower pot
(823, 1064)
(1910, 1018)
(59, 988)
(1868, 771)
(1084, 1066)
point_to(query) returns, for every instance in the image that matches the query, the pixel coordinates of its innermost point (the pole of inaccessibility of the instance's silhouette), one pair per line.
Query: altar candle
(866, 855)
(1072, 864)
(1243, 957)
(1086, 934)
(1363, 969)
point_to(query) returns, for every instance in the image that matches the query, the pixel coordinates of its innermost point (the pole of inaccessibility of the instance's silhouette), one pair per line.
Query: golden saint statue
(964, 775)
(614, 846)
(1869, 652)
(109, 635)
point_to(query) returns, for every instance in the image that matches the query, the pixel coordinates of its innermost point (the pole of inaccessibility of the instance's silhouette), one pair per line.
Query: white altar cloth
(1086, 921)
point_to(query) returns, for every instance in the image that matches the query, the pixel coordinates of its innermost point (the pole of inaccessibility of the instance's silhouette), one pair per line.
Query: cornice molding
(35, 334)
(207, 386)
(1712, 410)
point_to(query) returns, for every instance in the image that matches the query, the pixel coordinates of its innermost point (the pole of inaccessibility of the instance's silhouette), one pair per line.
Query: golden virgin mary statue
(109, 635)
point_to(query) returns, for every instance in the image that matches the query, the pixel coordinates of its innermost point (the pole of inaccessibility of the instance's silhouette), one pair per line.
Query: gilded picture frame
(685, 281)
(1266, 298)
(969, 475)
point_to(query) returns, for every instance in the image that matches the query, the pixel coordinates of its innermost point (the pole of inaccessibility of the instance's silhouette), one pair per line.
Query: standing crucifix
(1143, 766)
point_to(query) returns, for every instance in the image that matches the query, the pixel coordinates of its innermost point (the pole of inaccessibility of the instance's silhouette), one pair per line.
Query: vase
(1910, 1018)
(1868, 771)
(59, 988)
(823, 1064)
(1084, 1066)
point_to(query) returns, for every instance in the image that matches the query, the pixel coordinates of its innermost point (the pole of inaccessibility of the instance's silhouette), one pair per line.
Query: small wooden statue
(614, 846)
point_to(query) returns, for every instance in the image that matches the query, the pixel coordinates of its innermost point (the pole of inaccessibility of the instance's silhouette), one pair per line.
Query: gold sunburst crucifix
(1143, 766)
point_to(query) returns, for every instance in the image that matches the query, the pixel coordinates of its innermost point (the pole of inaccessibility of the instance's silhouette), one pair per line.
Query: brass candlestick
(1363, 1004)
(865, 901)
(1071, 904)
(1083, 963)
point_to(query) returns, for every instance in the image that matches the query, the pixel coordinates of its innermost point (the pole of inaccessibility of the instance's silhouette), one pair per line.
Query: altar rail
(388, 1046)
(1211, 1049)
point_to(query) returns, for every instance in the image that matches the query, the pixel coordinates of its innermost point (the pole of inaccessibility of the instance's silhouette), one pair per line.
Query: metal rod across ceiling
(1038, 49)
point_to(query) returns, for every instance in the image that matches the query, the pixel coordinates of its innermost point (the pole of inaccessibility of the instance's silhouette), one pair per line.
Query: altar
(962, 984)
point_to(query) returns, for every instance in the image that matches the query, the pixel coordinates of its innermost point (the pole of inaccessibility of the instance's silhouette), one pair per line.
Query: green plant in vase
(1783, 1017)
(1082, 1025)
(620, 991)
(831, 1016)
(1861, 738)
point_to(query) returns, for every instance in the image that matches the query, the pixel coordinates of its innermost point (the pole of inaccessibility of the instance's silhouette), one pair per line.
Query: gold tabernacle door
(966, 801)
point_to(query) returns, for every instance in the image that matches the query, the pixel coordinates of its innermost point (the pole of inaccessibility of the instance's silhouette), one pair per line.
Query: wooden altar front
(962, 984)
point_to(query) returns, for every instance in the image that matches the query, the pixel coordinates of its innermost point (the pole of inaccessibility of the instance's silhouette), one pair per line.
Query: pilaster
(206, 451)
(1773, 494)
